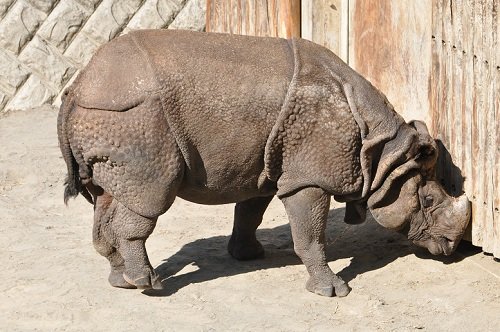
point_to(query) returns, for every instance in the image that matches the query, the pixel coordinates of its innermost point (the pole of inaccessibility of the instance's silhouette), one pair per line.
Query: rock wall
(43, 43)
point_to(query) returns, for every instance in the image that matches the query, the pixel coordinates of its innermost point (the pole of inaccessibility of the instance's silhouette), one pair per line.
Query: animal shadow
(368, 246)
(449, 174)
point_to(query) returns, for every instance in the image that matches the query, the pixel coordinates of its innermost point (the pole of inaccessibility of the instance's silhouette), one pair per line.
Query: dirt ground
(53, 280)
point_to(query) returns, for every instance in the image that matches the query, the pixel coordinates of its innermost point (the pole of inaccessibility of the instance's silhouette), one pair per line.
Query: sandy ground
(53, 280)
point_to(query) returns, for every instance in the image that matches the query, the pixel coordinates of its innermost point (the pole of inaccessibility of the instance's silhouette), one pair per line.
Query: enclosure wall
(43, 43)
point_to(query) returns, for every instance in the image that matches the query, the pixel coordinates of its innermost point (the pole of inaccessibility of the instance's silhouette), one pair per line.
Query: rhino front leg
(243, 244)
(307, 212)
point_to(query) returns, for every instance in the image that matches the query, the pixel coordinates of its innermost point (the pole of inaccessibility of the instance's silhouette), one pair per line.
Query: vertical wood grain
(390, 44)
(274, 18)
(467, 94)
(496, 150)
(326, 23)
(464, 108)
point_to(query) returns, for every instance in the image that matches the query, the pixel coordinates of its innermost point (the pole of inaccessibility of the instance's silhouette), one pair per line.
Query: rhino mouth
(437, 246)
(448, 245)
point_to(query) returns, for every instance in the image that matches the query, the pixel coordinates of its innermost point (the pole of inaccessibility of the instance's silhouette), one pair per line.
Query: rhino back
(220, 95)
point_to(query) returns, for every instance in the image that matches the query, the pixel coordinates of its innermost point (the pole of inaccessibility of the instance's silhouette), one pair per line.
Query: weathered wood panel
(496, 89)
(464, 108)
(326, 23)
(390, 44)
(275, 18)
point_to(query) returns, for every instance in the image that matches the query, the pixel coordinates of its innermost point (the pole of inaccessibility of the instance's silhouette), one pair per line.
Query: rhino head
(411, 201)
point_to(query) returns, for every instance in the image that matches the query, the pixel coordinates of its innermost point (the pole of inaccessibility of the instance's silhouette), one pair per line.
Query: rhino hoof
(324, 291)
(328, 290)
(145, 282)
(116, 279)
(342, 290)
(247, 251)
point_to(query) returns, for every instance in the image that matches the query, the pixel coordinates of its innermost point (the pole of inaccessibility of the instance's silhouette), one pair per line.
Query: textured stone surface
(54, 68)
(81, 49)
(33, 93)
(44, 5)
(90, 4)
(59, 32)
(44, 43)
(12, 74)
(155, 14)
(110, 18)
(4, 98)
(191, 17)
(18, 26)
(4, 6)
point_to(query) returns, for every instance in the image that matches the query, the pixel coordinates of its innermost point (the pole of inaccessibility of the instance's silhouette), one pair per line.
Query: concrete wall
(43, 43)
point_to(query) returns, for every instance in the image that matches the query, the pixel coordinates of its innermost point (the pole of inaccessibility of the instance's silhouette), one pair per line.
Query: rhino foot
(327, 287)
(116, 279)
(245, 250)
(147, 281)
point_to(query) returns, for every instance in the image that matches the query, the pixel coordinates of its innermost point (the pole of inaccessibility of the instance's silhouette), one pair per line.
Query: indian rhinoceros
(217, 118)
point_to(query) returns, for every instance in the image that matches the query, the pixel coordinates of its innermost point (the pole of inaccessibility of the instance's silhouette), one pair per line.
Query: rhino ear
(427, 153)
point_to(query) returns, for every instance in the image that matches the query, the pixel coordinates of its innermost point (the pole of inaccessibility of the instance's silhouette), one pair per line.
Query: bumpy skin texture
(216, 119)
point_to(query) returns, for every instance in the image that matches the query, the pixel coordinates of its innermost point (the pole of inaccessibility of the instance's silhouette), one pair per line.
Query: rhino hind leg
(307, 211)
(243, 244)
(103, 236)
(131, 231)
(120, 235)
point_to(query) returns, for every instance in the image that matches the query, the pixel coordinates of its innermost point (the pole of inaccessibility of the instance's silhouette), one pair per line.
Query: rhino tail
(73, 183)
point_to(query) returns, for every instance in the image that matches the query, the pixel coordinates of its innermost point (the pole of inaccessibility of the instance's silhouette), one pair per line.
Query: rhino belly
(225, 170)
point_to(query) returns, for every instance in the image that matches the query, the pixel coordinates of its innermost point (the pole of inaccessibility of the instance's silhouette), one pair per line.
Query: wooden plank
(446, 165)
(467, 100)
(478, 138)
(275, 18)
(496, 80)
(439, 95)
(288, 19)
(455, 114)
(391, 46)
(488, 63)
(261, 19)
(306, 24)
(325, 23)
(435, 85)
(484, 129)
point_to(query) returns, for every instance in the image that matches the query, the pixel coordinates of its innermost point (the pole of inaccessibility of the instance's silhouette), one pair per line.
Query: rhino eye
(428, 201)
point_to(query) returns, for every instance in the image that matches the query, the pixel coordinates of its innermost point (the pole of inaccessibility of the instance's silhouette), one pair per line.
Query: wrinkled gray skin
(220, 119)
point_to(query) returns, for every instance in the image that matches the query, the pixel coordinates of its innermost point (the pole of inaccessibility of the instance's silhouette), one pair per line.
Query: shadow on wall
(448, 174)
(369, 246)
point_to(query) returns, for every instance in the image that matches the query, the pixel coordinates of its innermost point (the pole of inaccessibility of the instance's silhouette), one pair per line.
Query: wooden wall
(323, 22)
(275, 18)
(466, 110)
(436, 60)
(390, 45)
(439, 61)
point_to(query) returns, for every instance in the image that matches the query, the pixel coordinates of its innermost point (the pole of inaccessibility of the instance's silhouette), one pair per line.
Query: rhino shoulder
(315, 140)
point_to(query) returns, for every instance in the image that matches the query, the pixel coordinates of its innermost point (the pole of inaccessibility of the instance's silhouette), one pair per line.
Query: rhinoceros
(218, 118)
